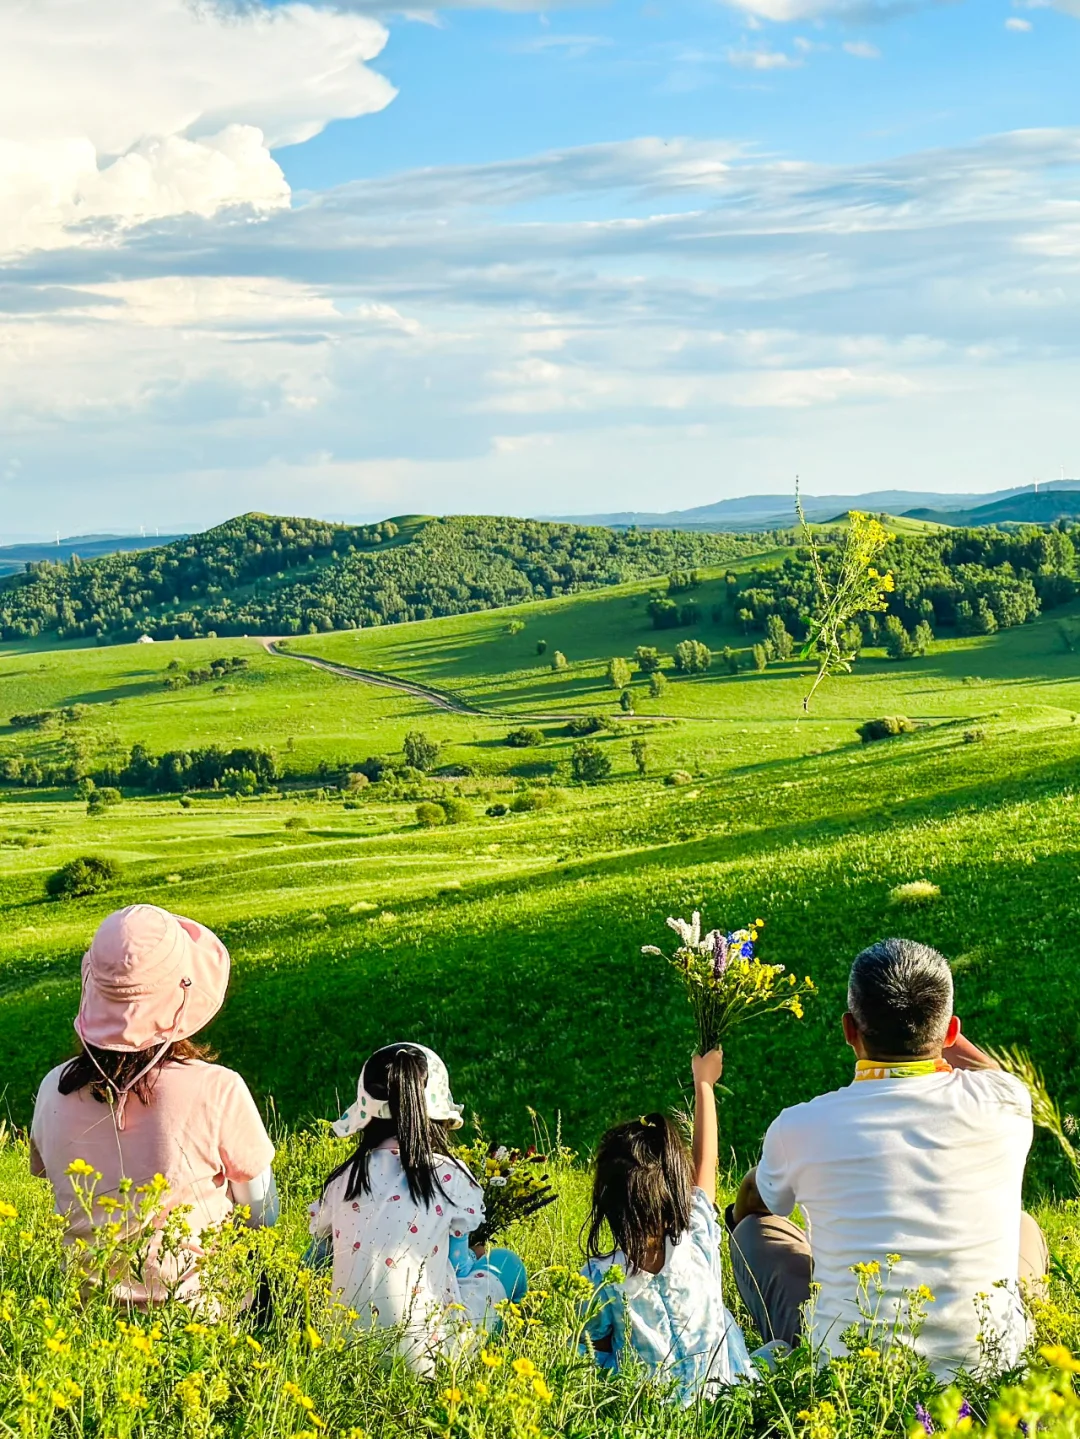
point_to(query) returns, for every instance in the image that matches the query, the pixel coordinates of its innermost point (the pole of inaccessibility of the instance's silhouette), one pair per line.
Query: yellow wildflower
(80, 1166)
(1060, 1357)
(540, 1389)
(452, 1396)
(491, 1360)
(312, 1335)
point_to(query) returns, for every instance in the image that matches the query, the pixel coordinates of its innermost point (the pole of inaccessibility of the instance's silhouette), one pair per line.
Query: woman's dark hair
(121, 1068)
(398, 1074)
(642, 1189)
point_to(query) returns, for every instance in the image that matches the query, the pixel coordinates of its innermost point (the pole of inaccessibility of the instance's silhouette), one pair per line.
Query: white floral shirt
(392, 1255)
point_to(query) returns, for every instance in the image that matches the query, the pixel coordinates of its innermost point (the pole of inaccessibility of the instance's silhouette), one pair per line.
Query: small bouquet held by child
(725, 982)
(513, 1184)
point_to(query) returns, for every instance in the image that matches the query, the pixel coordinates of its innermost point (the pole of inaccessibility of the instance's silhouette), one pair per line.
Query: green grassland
(512, 944)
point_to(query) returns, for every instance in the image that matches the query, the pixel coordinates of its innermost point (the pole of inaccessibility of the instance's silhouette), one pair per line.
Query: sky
(343, 260)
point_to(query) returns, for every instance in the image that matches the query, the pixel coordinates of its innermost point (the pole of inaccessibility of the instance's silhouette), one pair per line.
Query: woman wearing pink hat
(140, 1099)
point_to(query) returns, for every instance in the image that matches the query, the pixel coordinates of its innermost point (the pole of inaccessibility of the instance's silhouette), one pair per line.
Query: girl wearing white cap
(140, 1099)
(398, 1214)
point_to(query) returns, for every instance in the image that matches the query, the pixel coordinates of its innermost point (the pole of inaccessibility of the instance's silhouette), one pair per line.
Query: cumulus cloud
(1014, 22)
(862, 50)
(477, 324)
(124, 111)
(747, 59)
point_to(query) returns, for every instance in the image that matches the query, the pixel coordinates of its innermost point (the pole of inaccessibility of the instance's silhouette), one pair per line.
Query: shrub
(657, 684)
(558, 661)
(582, 725)
(760, 657)
(779, 638)
(527, 801)
(648, 659)
(458, 811)
(429, 814)
(885, 728)
(496, 811)
(40, 719)
(974, 736)
(420, 751)
(525, 737)
(515, 627)
(639, 749)
(356, 780)
(679, 776)
(916, 891)
(239, 781)
(618, 673)
(89, 874)
(898, 643)
(296, 821)
(102, 799)
(541, 647)
(626, 702)
(692, 657)
(588, 762)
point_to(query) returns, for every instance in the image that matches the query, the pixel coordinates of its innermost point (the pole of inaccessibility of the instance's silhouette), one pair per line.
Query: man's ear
(952, 1034)
(851, 1032)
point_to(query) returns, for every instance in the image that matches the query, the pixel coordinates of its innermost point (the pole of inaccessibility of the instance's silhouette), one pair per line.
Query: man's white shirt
(930, 1168)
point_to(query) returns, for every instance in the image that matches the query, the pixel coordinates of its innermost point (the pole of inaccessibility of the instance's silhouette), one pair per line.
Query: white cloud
(788, 11)
(123, 111)
(762, 60)
(1014, 22)
(862, 49)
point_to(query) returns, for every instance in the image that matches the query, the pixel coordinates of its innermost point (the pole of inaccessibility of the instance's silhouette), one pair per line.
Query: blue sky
(347, 261)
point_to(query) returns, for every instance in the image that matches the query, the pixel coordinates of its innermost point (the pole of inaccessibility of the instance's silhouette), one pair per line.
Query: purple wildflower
(747, 950)
(720, 954)
(964, 1412)
(922, 1414)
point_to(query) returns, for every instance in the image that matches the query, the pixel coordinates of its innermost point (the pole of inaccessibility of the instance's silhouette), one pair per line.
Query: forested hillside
(262, 574)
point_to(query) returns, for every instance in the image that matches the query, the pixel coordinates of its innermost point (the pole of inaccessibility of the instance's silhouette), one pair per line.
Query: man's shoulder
(994, 1087)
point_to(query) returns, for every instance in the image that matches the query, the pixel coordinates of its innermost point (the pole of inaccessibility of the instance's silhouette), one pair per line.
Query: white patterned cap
(437, 1097)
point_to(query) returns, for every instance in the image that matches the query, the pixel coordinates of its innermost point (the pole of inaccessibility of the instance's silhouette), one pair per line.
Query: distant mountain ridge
(88, 547)
(765, 512)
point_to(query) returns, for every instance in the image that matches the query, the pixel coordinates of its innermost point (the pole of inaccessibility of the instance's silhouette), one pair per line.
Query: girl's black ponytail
(406, 1077)
(398, 1075)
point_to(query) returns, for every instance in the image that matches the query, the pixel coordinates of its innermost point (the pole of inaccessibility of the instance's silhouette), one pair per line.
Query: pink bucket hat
(149, 978)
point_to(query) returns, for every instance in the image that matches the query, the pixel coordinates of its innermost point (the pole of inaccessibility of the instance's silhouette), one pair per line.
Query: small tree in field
(558, 661)
(429, 814)
(761, 657)
(618, 673)
(541, 647)
(898, 643)
(647, 658)
(420, 751)
(626, 702)
(779, 638)
(692, 657)
(657, 684)
(639, 749)
(588, 762)
(515, 627)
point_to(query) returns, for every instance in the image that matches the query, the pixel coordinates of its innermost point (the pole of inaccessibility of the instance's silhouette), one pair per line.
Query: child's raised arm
(707, 1070)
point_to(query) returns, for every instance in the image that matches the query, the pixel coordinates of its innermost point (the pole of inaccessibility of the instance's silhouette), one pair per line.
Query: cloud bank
(118, 113)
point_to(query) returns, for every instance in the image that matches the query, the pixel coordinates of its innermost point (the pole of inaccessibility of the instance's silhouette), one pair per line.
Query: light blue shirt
(675, 1322)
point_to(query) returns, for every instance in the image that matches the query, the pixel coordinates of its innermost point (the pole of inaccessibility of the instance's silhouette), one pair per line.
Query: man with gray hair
(916, 1166)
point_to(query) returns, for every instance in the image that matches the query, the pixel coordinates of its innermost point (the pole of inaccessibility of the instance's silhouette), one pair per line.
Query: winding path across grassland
(441, 699)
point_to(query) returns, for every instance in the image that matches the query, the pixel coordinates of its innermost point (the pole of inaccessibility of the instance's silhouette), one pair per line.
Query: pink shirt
(201, 1131)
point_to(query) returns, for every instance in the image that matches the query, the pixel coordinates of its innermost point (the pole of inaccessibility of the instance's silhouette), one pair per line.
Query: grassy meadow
(511, 943)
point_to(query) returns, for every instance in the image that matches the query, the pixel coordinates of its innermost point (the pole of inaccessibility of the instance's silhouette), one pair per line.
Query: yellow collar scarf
(910, 1069)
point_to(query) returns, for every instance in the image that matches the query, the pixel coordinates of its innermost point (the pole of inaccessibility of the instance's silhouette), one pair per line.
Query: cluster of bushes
(89, 874)
(885, 728)
(46, 719)
(972, 582)
(263, 574)
(216, 670)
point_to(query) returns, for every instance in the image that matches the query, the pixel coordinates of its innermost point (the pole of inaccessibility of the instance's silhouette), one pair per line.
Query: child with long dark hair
(657, 1203)
(397, 1215)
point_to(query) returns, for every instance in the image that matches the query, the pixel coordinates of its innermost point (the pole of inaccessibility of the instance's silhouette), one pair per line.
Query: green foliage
(429, 814)
(885, 728)
(679, 581)
(421, 752)
(541, 647)
(692, 657)
(89, 874)
(589, 763)
(760, 657)
(457, 811)
(515, 627)
(648, 659)
(657, 684)
(582, 725)
(898, 643)
(678, 777)
(639, 750)
(529, 801)
(103, 798)
(778, 637)
(618, 673)
(558, 661)
(626, 702)
(525, 737)
(263, 574)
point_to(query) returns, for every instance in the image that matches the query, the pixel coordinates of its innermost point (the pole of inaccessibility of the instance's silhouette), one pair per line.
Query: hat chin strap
(123, 1090)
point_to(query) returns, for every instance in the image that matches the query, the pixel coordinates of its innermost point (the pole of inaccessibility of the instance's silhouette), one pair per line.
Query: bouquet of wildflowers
(513, 1181)
(725, 982)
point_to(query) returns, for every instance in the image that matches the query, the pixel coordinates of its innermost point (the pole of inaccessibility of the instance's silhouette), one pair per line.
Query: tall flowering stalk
(850, 587)
(725, 982)
(515, 1184)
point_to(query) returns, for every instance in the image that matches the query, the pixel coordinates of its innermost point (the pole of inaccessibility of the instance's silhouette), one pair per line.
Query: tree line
(262, 574)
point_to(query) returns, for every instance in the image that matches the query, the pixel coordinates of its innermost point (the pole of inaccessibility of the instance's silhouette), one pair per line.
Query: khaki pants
(771, 1262)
